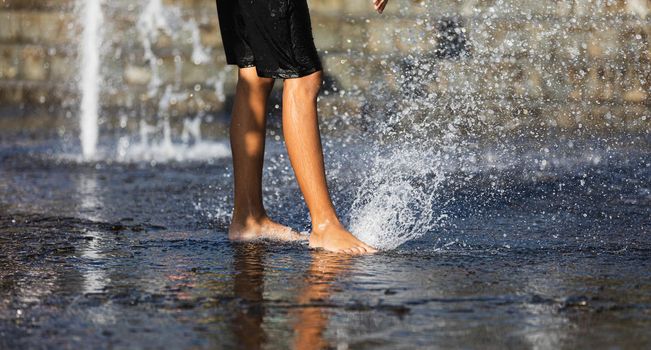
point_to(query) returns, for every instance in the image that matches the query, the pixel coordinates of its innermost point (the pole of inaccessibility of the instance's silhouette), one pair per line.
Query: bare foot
(335, 238)
(262, 229)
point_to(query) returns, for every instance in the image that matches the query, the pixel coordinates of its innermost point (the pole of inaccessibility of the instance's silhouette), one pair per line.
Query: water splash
(395, 203)
(156, 149)
(200, 54)
(416, 146)
(90, 76)
(205, 151)
(157, 140)
(157, 19)
(151, 23)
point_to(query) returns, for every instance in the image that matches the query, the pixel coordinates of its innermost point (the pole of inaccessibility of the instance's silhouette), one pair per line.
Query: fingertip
(383, 6)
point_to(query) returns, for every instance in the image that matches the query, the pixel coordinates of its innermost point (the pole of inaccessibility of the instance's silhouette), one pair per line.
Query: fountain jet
(90, 76)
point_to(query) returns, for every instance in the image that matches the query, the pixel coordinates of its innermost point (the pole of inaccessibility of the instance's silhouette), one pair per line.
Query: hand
(380, 5)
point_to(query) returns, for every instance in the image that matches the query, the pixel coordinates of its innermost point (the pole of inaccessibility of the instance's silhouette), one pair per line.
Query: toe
(368, 249)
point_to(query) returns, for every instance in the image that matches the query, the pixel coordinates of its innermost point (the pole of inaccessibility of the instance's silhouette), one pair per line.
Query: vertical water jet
(89, 84)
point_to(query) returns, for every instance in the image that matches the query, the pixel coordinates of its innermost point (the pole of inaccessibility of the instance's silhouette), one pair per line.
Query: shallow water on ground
(135, 255)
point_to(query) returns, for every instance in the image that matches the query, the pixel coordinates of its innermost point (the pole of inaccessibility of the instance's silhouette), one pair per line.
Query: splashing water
(395, 203)
(157, 141)
(90, 77)
(154, 20)
(414, 150)
(151, 23)
(191, 148)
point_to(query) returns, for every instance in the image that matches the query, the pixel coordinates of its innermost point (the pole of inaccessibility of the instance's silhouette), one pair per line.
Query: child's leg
(247, 135)
(301, 130)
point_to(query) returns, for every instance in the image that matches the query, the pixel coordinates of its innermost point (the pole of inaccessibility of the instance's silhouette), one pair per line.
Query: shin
(247, 135)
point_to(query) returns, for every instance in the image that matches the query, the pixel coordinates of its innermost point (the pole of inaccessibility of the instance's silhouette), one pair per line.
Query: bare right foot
(335, 238)
(262, 229)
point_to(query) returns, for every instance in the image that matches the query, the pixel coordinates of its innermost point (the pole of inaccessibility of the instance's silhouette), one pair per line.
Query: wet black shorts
(275, 36)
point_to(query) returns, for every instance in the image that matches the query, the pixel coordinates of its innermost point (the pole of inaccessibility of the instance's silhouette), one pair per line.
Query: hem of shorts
(276, 75)
(240, 65)
(288, 74)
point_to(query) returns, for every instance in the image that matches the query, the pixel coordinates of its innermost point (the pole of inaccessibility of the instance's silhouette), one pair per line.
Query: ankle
(247, 218)
(322, 225)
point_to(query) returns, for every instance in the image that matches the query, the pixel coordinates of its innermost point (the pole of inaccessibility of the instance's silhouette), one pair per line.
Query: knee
(248, 79)
(307, 86)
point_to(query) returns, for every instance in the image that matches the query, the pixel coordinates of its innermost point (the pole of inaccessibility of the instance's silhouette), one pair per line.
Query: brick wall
(568, 64)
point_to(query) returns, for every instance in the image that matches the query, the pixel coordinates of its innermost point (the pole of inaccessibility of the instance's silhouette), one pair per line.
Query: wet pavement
(135, 255)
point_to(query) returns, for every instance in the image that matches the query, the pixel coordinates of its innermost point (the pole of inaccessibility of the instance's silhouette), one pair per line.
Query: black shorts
(275, 36)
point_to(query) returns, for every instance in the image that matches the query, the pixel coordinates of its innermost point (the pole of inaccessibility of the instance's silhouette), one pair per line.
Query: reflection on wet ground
(128, 255)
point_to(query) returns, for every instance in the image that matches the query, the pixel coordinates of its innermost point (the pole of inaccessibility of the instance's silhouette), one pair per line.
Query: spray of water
(90, 76)
(157, 142)
(191, 148)
(394, 205)
(151, 23)
(414, 149)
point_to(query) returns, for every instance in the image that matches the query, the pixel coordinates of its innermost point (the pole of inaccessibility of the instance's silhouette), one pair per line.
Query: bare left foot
(263, 228)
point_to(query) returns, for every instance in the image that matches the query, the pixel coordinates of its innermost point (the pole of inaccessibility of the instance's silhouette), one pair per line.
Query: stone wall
(568, 64)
